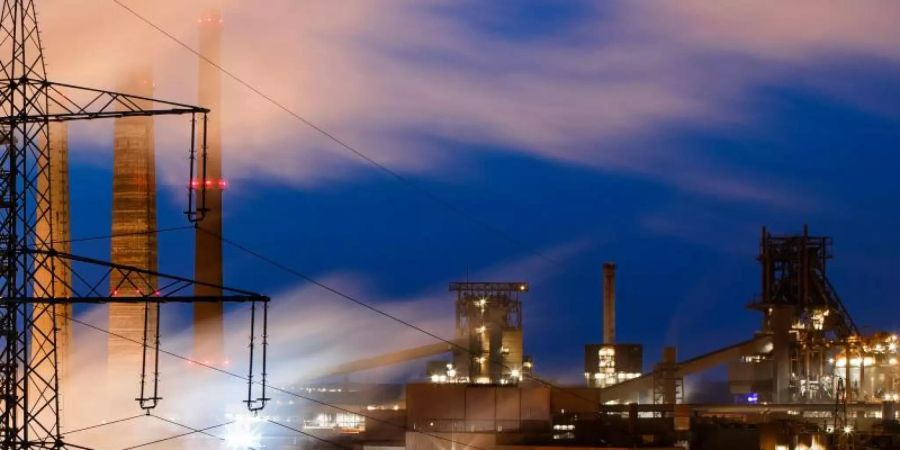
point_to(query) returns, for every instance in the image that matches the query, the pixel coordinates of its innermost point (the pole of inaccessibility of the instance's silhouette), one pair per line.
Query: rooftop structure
(489, 320)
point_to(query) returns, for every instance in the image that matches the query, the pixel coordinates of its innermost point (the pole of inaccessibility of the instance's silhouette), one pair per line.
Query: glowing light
(221, 184)
(848, 429)
(243, 433)
(482, 329)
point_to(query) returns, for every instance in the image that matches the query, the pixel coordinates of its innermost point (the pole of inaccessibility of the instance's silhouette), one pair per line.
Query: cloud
(389, 77)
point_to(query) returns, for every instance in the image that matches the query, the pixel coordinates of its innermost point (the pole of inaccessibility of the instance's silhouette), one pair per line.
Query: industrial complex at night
(808, 377)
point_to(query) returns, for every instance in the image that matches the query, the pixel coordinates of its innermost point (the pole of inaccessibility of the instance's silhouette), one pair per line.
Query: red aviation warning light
(221, 184)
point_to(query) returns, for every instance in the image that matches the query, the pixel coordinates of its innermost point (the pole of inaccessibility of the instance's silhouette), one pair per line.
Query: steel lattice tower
(29, 283)
(31, 407)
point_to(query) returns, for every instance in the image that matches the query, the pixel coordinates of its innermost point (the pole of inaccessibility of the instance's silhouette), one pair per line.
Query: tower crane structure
(31, 262)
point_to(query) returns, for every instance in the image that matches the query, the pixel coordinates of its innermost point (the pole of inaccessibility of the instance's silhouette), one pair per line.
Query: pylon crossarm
(150, 289)
(132, 282)
(132, 300)
(68, 102)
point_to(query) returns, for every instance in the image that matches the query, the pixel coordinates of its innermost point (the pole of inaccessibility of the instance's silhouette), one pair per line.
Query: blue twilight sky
(660, 135)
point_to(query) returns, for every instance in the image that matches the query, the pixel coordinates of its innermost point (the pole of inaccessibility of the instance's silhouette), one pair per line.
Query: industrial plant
(808, 378)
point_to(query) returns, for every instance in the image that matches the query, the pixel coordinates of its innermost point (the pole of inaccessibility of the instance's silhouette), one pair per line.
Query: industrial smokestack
(208, 327)
(133, 224)
(53, 278)
(609, 303)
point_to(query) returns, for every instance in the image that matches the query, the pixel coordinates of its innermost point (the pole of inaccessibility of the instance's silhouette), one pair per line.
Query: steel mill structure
(39, 279)
(807, 379)
(489, 322)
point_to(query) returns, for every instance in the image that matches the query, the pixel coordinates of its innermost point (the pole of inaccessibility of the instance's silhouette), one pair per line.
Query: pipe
(609, 303)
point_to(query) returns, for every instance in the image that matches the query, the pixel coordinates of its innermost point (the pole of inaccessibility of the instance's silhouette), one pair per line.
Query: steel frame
(803, 311)
(29, 264)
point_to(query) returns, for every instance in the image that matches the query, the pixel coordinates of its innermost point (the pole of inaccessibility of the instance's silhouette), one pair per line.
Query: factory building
(133, 241)
(489, 325)
(208, 317)
(609, 363)
(806, 380)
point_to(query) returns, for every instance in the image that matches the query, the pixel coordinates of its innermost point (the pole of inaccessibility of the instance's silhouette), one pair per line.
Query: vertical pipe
(862, 374)
(782, 318)
(609, 303)
(848, 387)
(208, 317)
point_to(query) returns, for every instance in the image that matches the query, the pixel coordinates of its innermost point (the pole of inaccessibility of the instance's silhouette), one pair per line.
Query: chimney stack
(209, 334)
(609, 303)
(133, 219)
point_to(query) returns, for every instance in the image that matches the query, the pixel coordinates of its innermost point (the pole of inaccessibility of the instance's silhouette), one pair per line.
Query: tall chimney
(53, 279)
(208, 326)
(609, 303)
(133, 222)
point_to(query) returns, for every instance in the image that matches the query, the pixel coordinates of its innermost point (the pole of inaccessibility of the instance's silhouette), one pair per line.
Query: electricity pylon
(30, 309)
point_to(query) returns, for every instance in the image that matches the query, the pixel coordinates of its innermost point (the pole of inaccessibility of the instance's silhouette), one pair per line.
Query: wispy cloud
(384, 74)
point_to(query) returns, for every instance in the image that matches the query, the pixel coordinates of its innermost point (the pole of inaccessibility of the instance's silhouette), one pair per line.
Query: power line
(104, 424)
(180, 435)
(352, 149)
(362, 155)
(114, 235)
(203, 431)
(274, 388)
(195, 430)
